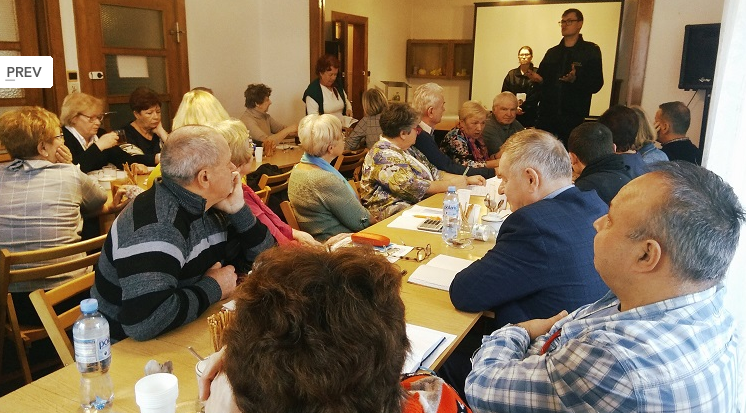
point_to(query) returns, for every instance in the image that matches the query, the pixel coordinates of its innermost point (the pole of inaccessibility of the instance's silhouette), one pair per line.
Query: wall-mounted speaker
(699, 56)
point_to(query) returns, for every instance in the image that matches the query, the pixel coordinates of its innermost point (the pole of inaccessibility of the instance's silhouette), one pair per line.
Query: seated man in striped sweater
(178, 246)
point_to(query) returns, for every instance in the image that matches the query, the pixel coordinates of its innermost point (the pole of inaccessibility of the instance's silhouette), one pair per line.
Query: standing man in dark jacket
(570, 74)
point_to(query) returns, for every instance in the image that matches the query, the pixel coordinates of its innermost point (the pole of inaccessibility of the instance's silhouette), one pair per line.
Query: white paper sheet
(439, 272)
(422, 341)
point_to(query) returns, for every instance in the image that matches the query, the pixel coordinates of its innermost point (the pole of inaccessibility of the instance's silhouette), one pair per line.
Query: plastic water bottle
(451, 216)
(93, 357)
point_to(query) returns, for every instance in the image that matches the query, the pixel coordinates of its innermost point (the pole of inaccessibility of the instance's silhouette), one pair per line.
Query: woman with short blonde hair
(325, 203)
(91, 147)
(464, 143)
(242, 151)
(369, 127)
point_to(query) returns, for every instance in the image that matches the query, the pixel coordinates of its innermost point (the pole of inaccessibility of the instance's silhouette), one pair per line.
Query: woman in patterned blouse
(396, 174)
(464, 143)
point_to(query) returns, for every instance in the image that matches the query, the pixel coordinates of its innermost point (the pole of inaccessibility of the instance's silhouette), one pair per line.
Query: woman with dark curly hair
(326, 94)
(320, 331)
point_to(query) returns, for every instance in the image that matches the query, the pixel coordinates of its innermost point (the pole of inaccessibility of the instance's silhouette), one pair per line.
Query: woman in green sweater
(325, 203)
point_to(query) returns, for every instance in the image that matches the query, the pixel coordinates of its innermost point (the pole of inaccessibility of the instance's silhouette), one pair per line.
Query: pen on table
(427, 217)
(465, 171)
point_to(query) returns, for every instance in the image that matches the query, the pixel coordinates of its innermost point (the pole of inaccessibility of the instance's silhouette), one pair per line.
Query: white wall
(250, 41)
(664, 55)
(387, 36)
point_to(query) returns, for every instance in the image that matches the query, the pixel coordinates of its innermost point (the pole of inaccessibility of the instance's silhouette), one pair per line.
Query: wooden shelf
(439, 59)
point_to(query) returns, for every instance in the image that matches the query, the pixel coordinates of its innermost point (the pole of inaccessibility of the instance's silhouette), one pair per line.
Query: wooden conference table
(58, 391)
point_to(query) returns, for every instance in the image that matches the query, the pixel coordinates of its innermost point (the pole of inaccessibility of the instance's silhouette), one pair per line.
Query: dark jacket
(683, 150)
(606, 175)
(516, 82)
(560, 98)
(426, 144)
(541, 264)
(93, 158)
(314, 91)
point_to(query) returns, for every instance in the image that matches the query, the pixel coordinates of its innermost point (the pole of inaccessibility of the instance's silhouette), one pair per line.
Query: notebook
(439, 272)
(426, 345)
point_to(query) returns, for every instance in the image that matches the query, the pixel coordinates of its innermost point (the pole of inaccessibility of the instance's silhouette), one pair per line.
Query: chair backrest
(356, 186)
(289, 212)
(44, 269)
(263, 194)
(276, 183)
(56, 324)
(350, 162)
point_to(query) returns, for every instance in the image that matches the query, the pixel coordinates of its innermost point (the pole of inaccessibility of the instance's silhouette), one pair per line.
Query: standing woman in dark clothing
(146, 131)
(517, 82)
(326, 94)
(81, 116)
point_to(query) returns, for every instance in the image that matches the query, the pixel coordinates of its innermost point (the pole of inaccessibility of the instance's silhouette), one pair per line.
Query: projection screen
(500, 29)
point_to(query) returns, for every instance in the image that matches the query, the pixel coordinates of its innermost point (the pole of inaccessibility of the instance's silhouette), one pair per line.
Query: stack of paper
(439, 272)
(426, 345)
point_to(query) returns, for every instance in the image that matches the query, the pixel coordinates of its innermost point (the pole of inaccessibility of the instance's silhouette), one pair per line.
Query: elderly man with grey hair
(661, 339)
(179, 246)
(429, 103)
(501, 123)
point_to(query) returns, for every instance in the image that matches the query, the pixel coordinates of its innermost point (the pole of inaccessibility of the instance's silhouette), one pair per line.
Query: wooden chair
(356, 186)
(56, 325)
(347, 163)
(275, 183)
(23, 336)
(263, 194)
(289, 212)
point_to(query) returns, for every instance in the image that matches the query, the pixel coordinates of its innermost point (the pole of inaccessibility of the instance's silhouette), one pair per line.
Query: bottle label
(450, 209)
(92, 350)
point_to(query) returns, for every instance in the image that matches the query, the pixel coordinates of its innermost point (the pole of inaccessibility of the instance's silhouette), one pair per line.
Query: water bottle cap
(89, 305)
(451, 188)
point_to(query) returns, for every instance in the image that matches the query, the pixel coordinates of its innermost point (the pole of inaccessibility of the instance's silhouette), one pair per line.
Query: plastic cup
(464, 195)
(157, 393)
(258, 152)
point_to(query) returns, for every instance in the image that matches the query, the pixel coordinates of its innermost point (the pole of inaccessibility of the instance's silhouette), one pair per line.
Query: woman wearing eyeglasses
(44, 195)
(527, 91)
(81, 116)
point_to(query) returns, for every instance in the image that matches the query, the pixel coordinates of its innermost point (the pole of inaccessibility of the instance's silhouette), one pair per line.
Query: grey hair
(426, 96)
(472, 108)
(504, 95)
(318, 132)
(188, 150)
(698, 221)
(539, 150)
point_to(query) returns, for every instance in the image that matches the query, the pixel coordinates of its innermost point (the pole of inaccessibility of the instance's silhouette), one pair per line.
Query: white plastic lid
(452, 188)
(89, 305)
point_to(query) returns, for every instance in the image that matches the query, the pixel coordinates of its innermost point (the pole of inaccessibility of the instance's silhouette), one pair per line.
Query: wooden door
(125, 44)
(18, 37)
(354, 38)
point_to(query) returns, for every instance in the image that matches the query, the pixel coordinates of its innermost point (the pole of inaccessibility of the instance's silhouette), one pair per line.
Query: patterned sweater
(150, 276)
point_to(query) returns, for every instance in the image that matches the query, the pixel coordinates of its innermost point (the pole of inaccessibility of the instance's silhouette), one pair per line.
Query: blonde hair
(237, 137)
(76, 103)
(539, 150)
(374, 102)
(22, 130)
(472, 108)
(199, 108)
(644, 132)
(318, 132)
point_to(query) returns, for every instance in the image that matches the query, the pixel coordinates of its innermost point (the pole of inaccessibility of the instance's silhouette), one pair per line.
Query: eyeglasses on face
(421, 254)
(93, 118)
(567, 22)
(524, 54)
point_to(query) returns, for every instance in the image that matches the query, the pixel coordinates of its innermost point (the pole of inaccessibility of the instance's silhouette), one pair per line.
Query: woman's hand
(161, 132)
(476, 180)
(108, 140)
(214, 388)
(117, 203)
(63, 155)
(139, 169)
(305, 238)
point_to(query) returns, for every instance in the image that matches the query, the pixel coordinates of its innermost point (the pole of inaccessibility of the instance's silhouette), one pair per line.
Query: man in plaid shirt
(661, 340)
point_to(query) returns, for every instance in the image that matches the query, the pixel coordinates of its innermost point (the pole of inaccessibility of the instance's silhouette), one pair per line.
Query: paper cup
(157, 393)
(258, 152)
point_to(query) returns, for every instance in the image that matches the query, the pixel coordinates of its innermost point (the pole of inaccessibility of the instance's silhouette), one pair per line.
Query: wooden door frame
(316, 34)
(177, 73)
(355, 21)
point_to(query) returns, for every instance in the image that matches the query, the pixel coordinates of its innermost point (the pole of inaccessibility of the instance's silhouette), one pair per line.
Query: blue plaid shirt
(677, 355)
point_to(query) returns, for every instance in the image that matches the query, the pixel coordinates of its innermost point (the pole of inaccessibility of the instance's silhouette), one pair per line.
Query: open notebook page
(439, 272)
